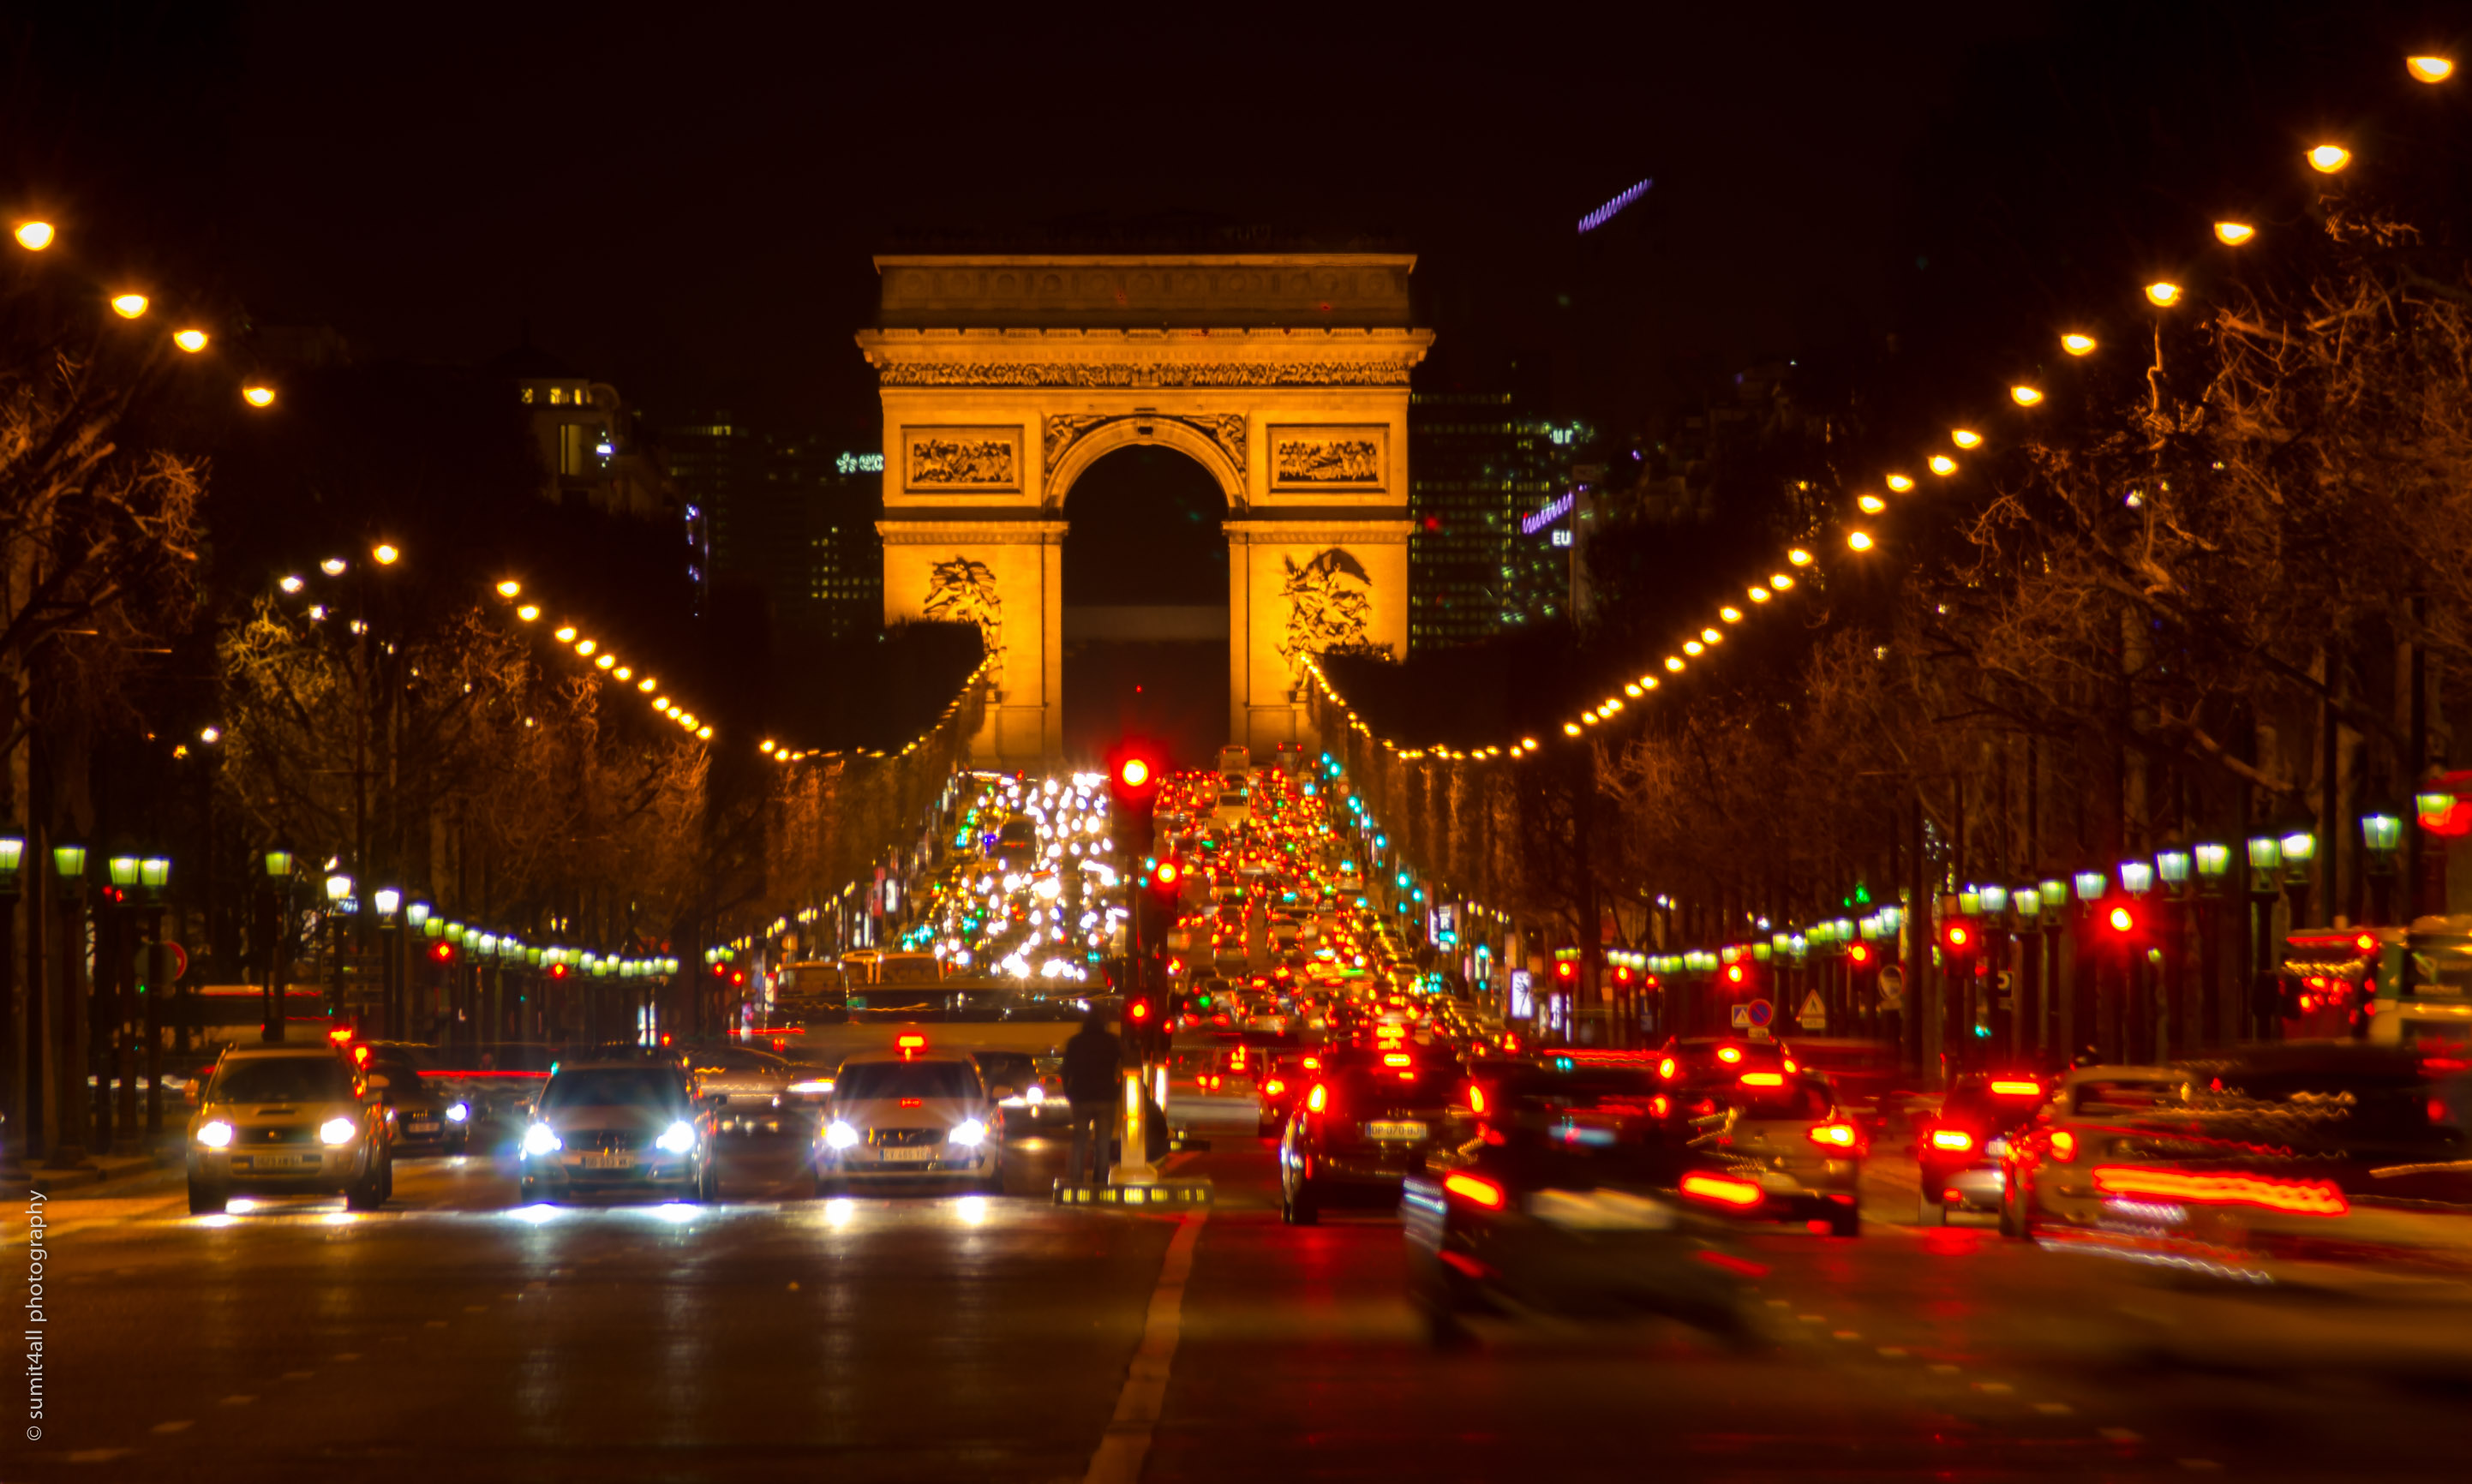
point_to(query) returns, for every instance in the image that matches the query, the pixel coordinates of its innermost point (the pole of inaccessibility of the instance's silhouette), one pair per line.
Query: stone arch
(1105, 434)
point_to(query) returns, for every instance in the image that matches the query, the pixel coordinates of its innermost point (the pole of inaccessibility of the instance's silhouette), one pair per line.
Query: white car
(1234, 808)
(908, 1113)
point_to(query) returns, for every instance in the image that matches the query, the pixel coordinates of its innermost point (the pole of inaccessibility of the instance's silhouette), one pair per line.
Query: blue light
(1612, 208)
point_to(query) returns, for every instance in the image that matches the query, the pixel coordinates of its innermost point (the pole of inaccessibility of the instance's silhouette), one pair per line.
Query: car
(607, 1127)
(1783, 1137)
(2040, 1177)
(1961, 1152)
(1031, 1095)
(1580, 1201)
(1701, 1056)
(745, 1089)
(2273, 1162)
(1365, 1121)
(899, 1114)
(288, 1120)
(429, 1117)
(1234, 808)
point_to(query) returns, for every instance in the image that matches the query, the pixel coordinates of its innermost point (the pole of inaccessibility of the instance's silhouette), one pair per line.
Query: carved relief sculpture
(1330, 606)
(978, 462)
(1330, 459)
(963, 592)
(1065, 429)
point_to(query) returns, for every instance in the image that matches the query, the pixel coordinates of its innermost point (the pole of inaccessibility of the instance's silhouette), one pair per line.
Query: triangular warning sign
(1814, 1012)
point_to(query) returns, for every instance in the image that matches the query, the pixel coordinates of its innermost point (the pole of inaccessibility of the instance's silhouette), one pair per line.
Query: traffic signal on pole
(1859, 955)
(1134, 775)
(1566, 974)
(2121, 920)
(1958, 936)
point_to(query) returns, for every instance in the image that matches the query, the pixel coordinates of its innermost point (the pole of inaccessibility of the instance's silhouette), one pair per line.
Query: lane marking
(237, 1401)
(182, 1425)
(297, 1375)
(1127, 1439)
(1994, 1388)
(2054, 1408)
(1943, 1370)
(2118, 1435)
(99, 1456)
(1891, 1352)
(2199, 1465)
(1846, 1334)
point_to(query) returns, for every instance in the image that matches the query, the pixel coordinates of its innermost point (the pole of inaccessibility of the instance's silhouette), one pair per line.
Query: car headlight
(539, 1139)
(459, 1111)
(1035, 1096)
(814, 1089)
(215, 1134)
(338, 1131)
(678, 1139)
(970, 1132)
(840, 1134)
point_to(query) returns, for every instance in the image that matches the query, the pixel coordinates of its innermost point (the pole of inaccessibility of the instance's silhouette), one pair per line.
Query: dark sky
(683, 199)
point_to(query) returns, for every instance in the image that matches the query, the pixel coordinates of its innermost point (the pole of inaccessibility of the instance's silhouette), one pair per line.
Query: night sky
(683, 199)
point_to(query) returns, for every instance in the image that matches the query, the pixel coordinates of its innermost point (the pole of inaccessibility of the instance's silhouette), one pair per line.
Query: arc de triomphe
(1284, 374)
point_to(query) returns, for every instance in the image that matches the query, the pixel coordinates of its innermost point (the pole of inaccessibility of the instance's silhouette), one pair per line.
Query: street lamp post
(274, 919)
(390, 902)
(2265, 885)
(13, 861)
(416, 929)
(153, 880)
(2381, 838)
(72, 1120)
(116, 964)
(2213, 863)
(338, 896)
(2089, 885)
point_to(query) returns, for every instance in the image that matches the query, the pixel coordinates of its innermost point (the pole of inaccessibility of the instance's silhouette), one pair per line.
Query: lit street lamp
(73, 1125)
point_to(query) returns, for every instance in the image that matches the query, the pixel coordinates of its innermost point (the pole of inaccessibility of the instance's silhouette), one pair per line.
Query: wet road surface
(932, 1336)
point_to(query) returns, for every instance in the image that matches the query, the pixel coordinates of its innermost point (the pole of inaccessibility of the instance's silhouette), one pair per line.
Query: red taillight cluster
(1274, 1087)
(1319, 1099)
(2296, 1197)
(1475, 1189)
(1763, 1079)
(1954, 1140)
(1720, 1191)
(2017, 1088)
(1835, 1135)
(2064, 1146)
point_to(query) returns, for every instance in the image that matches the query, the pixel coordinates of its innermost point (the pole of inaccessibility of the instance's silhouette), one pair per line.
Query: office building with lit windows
(1482, 466)
(791, 517)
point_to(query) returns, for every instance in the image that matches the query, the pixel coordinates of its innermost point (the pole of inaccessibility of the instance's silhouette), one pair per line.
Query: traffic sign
(179, 957)
(1741, 1014)
(1814, 1015)
(1893, 988)
(1760, 1012)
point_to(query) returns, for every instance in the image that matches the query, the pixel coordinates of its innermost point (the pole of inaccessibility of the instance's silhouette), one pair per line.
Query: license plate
(280, 1161)
(1385, 1131)
(609, 1162)
(421, 1127)
(907, 1154)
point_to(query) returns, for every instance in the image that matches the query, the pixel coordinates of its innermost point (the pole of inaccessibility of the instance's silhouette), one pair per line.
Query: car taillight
(1763, 1079)
(1274, 1087)
(909, 1102)
(1319, 1098)
(2064, 1146)
(1729, 1055)
(1720, 1191)
(1474, 1188)
(1665, 1069)
(2298, 1197)
(2017, 1088)
(1476, 1098)
(1836, 1135)
(1955, 1140)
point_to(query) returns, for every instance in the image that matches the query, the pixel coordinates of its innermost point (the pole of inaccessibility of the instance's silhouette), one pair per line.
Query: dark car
(1281, 1079)
(1962, 1152)
(1581, 1201)
(429, 1117)
(1367, 1119)
(2278, 1161)
(1784, 1138)
(618, 1126)
(1031, 1097)
(1697, 1057)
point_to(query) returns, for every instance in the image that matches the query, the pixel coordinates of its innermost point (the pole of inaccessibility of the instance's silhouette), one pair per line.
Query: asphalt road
(928, 1336)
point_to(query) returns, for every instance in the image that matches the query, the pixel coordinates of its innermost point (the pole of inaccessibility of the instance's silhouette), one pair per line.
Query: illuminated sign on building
(1530, 525)
(1610, 210)
(860, 464)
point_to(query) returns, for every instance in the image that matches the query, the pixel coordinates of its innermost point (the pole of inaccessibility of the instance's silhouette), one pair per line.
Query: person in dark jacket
(1093, 1074)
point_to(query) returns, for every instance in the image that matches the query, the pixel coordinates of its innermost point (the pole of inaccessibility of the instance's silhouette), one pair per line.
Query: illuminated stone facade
(1285, 375)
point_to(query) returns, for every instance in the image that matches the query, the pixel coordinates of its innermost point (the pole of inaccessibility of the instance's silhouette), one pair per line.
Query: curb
(1165, 1193)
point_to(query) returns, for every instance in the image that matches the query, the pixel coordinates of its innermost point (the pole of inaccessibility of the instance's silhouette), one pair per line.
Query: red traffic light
(1133, 773)
(557, 971)
(1566, 970)
(1958, 937)
(1859, 955)
(443, 952)
(1138, 1011)
(1169, 874)
(1735, 973)
(2122, 920)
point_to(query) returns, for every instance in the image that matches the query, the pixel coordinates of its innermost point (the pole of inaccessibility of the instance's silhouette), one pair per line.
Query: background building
(1490, 545)
(790, 517)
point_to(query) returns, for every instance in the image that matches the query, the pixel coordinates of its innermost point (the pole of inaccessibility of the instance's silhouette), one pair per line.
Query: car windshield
(288, 1079)
(651, 1088)
(869, 1081)
(1016, 1066)
(1365, 1087)
(1796, 1098)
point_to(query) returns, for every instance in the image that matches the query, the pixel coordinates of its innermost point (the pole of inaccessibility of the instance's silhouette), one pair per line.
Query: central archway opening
(1145, 606)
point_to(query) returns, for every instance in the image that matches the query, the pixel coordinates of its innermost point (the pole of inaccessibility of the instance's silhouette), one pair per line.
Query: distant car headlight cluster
(217, 1134)
(969, 1133)
(459, 1111)
(678, 1139)
(840, 1134)
(539, 1139)
(338, 1131)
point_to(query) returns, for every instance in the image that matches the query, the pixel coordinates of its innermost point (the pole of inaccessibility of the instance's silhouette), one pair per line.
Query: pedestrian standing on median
(1093, 1066)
